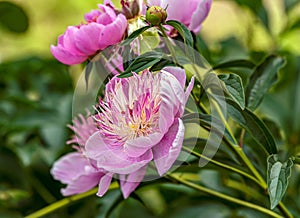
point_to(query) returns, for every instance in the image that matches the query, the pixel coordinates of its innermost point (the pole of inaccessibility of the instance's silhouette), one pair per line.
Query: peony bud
(156, 15)
(130, 8)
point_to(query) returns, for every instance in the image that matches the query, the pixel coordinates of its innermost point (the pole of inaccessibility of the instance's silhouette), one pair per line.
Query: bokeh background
(36, 98)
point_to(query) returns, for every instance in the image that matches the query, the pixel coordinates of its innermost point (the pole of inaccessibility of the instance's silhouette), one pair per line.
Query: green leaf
(133, 35)
(253, 125)
(207, 121)
(183, 31)
(13, 17)
(161, 64)
(295, 25)
(258, 9)
(235, 63)
(142, 62)
(289, 4)
(278, 176)
(262, 79)
(234, 88)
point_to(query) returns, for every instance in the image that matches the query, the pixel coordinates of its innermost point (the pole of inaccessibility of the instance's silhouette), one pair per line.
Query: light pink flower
(139, 121)
(102, 29)
(74, 169)
(189, 12)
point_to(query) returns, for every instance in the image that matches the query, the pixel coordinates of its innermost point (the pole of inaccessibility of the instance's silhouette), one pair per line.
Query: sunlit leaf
(278, 176)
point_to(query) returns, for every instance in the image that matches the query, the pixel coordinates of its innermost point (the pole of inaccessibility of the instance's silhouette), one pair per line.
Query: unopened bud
(130, 8)
(156, 15)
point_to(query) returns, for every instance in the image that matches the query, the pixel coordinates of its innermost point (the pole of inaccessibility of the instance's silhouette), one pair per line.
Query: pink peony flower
(189, 12)
(102, 29)
(74, 169)
(139, 121)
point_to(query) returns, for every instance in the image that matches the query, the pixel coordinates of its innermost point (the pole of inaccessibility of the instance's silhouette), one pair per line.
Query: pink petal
(199, 15)
(108, 10)
(130, 182)
(82, 184)
(114, 160)
(74, 170)
(178, 72)
(65, 169)
(189, 89)
(65, 57)
(69, 41)
(180, 10)
(104, 184)
(137, 147)
(173, 100)
(166, 152)
(113, 33)
(87, 38)
(154, 2)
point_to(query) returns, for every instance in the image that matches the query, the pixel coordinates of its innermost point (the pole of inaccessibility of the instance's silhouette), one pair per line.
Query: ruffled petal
(114, 160)
(130, 182)
(74, 170)
(167, 151)
(87, 38)
(65, 57)
(178, 72)
(82, 184)
(137, 147)
(113, 33)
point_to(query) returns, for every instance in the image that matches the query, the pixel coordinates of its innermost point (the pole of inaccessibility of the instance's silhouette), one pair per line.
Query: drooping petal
(104, 184)
(74, 170)
(167, 150)
(130, 182)
(65, 57)
(114, 160)
(199, 15)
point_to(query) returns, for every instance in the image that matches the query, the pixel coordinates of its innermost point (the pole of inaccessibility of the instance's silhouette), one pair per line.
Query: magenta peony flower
(139, 121)
(189, 12)
(102, 29)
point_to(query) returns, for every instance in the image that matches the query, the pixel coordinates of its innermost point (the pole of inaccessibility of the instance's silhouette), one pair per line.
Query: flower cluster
(137, 122)
(107, 26)
(139, 119)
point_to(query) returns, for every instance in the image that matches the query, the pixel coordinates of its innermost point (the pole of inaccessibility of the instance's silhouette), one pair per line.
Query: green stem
(223, 196)
(166, 40)
(66, 201)
(225, 166)
(238, 150)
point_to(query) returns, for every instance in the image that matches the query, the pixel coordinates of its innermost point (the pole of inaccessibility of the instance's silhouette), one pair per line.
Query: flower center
(130, 109)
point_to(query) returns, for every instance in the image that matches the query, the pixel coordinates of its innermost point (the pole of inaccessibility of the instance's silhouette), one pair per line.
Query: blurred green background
(36, 97)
